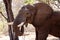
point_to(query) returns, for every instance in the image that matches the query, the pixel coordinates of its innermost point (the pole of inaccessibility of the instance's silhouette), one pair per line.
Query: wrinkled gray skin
(37, 15)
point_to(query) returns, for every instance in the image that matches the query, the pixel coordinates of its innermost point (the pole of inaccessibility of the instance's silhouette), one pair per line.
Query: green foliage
(28, 1)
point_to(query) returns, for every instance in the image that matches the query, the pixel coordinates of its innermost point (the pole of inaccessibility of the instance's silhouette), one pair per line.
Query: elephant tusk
(22, 23)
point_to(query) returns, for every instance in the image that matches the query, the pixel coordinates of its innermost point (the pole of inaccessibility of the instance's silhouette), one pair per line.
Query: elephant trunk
(16, 28)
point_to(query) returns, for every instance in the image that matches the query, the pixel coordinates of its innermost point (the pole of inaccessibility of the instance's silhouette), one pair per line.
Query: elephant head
(24, 16)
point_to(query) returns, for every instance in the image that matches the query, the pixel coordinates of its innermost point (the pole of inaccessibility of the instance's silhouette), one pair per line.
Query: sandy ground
(28, 36)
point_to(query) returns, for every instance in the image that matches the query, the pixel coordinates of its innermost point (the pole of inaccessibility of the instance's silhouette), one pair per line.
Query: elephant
(42, 17)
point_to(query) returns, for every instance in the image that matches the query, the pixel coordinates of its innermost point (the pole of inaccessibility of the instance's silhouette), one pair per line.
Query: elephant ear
(43, 12)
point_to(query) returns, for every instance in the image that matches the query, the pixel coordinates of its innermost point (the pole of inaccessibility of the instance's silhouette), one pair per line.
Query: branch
(3, 15)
